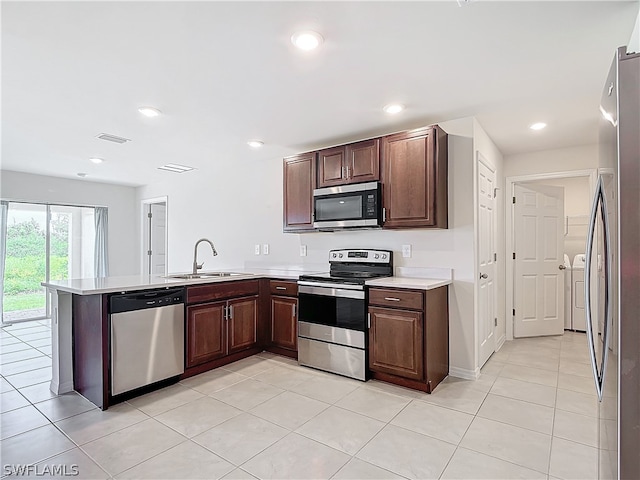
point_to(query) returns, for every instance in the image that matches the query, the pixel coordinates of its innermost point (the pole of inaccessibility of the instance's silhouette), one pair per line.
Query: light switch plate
(256, 249)
(265, 249)
(406, 251)
(303, 250)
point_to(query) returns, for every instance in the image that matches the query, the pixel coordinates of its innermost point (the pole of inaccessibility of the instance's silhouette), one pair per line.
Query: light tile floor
(532, 414)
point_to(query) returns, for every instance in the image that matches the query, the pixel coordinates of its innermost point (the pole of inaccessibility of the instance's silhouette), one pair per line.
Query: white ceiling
(226, 72)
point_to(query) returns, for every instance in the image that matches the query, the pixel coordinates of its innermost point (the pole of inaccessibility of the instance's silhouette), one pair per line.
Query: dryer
(577, 311)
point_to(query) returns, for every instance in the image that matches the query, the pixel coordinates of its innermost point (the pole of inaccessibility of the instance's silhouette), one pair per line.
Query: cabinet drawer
(220, 290)
(411, 299)
(280, 287)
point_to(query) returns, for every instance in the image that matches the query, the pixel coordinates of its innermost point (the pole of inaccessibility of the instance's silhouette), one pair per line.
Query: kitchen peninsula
(226, 318)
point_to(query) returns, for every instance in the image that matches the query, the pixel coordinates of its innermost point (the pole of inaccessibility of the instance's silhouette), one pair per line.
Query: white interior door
(487, 317)
(539, 252)
(155, 238)
(158, 238)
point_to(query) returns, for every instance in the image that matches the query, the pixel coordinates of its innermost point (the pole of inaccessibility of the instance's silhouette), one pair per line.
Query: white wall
(121, 201)
(634, 41)
(550, 161)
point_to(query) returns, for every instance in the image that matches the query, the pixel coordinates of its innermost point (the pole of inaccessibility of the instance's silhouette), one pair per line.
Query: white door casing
(539, 252)
(487, 300)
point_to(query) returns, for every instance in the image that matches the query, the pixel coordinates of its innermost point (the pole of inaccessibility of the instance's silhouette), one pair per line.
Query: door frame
(144, 204)
(591, 174)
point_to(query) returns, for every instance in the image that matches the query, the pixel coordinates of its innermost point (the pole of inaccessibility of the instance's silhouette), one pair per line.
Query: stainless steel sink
(189, 276)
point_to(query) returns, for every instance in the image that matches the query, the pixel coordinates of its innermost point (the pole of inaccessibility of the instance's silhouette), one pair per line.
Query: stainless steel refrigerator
(612, 272)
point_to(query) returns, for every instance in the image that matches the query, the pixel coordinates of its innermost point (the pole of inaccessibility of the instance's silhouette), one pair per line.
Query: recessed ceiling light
(96, 160)
(255, 143)
(538, 126)
(149, 111)
(307, 40)
(393, 108)
(81, 174)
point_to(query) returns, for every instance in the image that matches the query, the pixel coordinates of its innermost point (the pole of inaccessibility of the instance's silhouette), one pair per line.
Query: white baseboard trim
(464, 373)
(60, 388)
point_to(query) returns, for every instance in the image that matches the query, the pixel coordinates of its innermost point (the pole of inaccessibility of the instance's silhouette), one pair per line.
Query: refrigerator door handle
(599, 202)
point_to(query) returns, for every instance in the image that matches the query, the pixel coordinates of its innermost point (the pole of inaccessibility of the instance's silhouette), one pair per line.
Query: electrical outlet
(303, 250)
(406, 251)
(256, 249)
(265, 249)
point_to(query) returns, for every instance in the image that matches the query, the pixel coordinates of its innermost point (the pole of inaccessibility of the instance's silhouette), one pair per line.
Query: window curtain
(4, 209)
(101, 257)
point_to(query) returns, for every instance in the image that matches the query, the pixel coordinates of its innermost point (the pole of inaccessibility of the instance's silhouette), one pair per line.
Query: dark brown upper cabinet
(352, 163)
(414, 178)
(299, 181)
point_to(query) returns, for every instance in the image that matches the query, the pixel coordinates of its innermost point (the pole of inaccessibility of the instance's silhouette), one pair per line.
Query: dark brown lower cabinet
(282, 336)
(395, 342)
(221, 324)
(284, 332)
(409, 336)
(206, 333)
(218, 329)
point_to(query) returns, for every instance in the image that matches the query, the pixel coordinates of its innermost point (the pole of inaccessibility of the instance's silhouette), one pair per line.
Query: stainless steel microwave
(348, 206)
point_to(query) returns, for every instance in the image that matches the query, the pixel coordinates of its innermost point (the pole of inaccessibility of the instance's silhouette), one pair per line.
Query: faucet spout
(197, 266)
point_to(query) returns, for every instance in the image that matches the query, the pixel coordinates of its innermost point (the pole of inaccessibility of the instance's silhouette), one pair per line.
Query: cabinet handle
(392, 299)
(281, 288)
(384, 215)
(368, 320)
(224, 312)
(230, 312)
(342, 173)
(293, 308)
(347, 171)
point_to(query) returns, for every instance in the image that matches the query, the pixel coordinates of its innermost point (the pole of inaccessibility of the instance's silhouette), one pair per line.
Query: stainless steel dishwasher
(147, 338)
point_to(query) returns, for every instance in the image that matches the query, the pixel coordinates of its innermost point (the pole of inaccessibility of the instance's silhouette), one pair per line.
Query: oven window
(340, 312)
(338, 208)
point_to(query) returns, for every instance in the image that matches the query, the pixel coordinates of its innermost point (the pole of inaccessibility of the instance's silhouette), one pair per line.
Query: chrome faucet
(197, 266)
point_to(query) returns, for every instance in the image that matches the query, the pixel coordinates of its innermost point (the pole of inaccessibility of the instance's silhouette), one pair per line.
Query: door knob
(484, 276)
(562, 267)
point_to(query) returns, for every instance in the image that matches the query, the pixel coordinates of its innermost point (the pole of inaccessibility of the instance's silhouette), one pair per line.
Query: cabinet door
(284, 325)
(331, 167)
(299, 178)
(396, 342)
(363, 161)
(243, 323)
(206, 333)
(414, 178)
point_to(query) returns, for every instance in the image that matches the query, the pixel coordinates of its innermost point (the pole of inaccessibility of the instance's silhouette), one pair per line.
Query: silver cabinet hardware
(484, 276)
(392, 299)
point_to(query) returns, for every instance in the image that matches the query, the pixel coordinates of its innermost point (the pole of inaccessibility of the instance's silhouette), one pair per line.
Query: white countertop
(409, 282)
(93, 286)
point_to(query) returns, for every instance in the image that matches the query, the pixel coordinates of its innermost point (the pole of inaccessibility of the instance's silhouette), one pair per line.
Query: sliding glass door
(41, 243)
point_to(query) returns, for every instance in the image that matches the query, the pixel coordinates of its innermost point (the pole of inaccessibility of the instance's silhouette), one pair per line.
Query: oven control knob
(334, 255)
(376, 256)
(384, 256)
(340, 255)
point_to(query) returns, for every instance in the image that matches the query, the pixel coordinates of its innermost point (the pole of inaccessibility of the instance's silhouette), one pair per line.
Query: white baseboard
(464, 373)
(60, 388)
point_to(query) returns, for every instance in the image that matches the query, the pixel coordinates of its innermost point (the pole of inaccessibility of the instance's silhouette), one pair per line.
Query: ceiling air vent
(174, 167)
(112, 138)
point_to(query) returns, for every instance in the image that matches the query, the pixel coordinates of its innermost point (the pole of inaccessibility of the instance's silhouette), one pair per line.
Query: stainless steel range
(332, 311)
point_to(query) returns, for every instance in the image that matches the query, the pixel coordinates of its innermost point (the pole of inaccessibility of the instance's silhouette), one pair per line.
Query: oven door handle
(332, 291)
(341, 286)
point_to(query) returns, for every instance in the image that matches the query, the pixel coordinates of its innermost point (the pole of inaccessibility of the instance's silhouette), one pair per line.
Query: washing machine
(578, 319)
(568, 299)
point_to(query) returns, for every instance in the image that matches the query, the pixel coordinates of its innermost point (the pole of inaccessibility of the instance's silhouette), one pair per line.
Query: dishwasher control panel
(128, 302)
